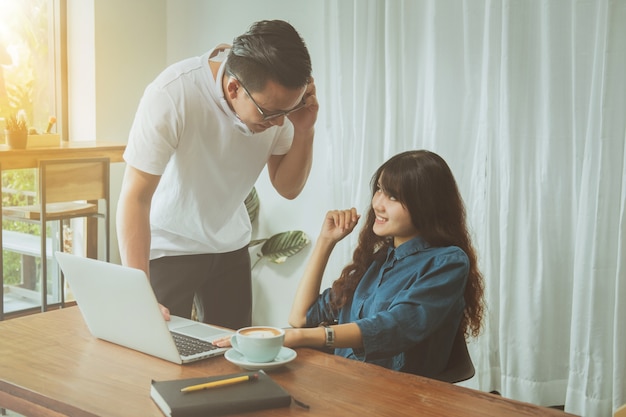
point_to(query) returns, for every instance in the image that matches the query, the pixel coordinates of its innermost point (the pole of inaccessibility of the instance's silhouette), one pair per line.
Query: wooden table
(30, 157)
(50, 365)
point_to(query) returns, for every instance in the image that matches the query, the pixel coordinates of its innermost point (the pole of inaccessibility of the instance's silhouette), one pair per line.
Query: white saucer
(285, 356)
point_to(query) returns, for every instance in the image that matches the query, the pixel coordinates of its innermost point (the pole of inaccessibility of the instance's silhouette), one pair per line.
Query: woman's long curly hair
(423, 183)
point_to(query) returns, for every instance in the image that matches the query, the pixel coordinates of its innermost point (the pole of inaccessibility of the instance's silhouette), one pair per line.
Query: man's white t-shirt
(208, 160)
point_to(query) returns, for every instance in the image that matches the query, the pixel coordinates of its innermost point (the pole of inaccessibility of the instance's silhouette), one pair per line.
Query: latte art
(260, 333)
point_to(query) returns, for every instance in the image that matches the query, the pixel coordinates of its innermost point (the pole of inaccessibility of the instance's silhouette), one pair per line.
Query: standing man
(204, 130)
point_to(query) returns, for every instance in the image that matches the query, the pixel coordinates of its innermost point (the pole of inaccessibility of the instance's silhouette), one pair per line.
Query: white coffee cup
(258, 343)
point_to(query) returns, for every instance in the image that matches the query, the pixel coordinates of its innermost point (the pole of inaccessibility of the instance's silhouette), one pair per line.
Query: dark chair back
(460, 366)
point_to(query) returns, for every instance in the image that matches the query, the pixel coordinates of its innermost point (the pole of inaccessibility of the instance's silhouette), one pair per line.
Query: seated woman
(413, 282)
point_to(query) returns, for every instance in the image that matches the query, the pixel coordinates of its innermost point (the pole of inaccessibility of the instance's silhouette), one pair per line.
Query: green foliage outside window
(21, 179)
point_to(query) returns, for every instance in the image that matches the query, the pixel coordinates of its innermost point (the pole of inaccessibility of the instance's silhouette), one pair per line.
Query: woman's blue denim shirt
(408, 308)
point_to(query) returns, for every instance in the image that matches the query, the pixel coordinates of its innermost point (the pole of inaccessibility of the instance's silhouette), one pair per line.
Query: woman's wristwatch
(330, 336)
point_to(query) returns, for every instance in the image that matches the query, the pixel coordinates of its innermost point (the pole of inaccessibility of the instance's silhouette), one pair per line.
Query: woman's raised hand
(339, 223)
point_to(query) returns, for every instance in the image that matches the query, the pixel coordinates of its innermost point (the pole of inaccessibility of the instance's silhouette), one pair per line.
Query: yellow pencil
(221, 383)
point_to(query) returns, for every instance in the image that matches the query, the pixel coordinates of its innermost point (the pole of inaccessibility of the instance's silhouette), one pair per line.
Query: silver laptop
(119, 306)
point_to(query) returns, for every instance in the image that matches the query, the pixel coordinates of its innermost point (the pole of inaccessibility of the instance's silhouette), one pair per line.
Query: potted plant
(16, 131)
(278, 247)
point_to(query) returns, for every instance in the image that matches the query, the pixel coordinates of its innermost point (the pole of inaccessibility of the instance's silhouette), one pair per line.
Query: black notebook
(260, 394)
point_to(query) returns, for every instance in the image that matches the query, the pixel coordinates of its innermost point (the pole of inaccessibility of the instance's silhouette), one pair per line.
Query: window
(28, 60)
(31, 63)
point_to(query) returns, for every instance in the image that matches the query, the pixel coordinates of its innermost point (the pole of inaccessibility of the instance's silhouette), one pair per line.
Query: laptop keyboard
(190, 346)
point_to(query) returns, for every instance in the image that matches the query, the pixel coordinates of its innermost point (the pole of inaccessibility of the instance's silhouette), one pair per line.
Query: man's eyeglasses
(269, 116)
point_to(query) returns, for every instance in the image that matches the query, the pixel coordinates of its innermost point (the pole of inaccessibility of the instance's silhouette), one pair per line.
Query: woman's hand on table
(222, 342)
(290, 340)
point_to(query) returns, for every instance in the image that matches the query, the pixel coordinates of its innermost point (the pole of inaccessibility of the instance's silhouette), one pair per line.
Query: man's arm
(133, 221)
(289, 172)
(133, 218)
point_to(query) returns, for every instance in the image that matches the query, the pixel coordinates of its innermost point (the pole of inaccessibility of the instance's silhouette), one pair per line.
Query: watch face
(330, 336)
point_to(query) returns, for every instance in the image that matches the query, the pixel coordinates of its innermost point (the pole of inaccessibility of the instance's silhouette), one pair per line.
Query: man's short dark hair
(270, 50)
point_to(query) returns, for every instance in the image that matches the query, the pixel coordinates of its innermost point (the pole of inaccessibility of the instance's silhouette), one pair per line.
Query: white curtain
(526, 100)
